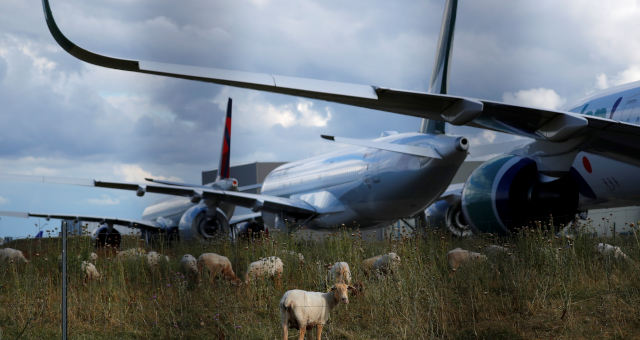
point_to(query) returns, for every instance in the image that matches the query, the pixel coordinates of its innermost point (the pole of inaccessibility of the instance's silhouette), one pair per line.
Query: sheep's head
(394, 259)
(341, 292)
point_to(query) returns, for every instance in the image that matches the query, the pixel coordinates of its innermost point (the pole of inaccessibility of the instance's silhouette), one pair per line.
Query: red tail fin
(223, 168)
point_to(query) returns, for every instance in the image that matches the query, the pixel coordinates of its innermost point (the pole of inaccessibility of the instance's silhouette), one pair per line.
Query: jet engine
(106, 236)
(448, 213)
(508, 192)
(202, 223)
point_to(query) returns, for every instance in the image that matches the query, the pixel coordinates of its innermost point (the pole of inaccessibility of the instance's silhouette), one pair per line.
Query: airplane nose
(462, 144)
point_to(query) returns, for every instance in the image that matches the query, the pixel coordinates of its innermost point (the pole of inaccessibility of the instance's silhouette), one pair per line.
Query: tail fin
(39, 234)
(440, 75)
(223, 167)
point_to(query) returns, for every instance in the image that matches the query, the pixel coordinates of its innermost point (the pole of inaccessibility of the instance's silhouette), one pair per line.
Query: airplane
(579, 158)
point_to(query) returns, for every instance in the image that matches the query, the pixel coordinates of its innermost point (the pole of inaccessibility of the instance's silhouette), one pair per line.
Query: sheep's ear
(332, 288)
(350, 287)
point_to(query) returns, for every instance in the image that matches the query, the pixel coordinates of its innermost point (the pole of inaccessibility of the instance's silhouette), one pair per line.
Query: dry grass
(547, 289)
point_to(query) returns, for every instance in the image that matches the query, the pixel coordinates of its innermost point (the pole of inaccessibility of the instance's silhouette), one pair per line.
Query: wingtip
(327, 137)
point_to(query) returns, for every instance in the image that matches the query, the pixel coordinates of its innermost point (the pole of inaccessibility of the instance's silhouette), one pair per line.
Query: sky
(61, 117)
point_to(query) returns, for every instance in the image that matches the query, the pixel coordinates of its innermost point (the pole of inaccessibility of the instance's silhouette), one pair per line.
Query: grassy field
(548, 288)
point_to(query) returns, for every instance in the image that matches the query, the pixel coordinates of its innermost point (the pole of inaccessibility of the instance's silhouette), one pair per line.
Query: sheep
(189, 266)
(131, 253)
(217, 264)
(93, 257)
(496, 250)
(383, 264)
(459, 256)
(608, 250)
(339, 273)
(270, 266)
(303, 310)
(153, 258)
(11, 255)
(89, 270)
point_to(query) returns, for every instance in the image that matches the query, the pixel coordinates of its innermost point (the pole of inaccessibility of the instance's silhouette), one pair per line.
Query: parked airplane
(582, 158)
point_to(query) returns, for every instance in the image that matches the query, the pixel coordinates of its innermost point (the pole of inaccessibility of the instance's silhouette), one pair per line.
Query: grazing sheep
(609, 250)
(153, 258)
(383, 264)
(189, 266)
(340, 273)
(267, 267)
(90, 271)
(11, 255)
(459, 256)
(217, 265)
(131, 253)
(303, 310)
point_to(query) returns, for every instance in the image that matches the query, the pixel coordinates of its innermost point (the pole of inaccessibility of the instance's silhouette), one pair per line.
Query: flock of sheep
(299, 309)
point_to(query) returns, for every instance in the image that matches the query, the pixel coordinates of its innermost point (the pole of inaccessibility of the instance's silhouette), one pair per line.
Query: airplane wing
(541, 124)
(147, 225)
(256, 202)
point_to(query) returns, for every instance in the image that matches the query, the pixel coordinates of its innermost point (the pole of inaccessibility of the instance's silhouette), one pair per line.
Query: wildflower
(168, 285)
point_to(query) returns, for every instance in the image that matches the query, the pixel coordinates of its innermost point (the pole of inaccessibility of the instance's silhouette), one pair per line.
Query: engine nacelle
(106, 236)
(448, 213)
(198, 222)
(508, 192)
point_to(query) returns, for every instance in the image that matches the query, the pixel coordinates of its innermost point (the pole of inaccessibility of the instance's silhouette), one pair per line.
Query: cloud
(628, 75)
(540, 97)
(103, 200)
(3, 200)
(135, 173)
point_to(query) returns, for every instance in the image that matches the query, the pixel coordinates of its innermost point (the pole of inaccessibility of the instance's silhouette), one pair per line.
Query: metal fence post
(64, 280)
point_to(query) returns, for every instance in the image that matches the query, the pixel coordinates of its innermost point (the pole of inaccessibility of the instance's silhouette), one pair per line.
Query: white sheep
(217, 265)
(496, 250)
(609, 250)
(89, 270)
(339, 273)
(153, 258)
(131, 253)
(11, 255)
(457, 257)
(189, 266)
(303, 310)
(267, 267)
(383, 264)
(93, 257)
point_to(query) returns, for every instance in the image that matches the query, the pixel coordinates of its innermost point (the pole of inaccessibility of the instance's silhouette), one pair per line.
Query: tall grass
(549, 288)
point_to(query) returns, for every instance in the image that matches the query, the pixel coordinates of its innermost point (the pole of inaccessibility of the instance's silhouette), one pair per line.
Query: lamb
(609, 250)
(459, 256)
(217, 265)
(89, 270)
(189, 266)
(496, 250)
(340, 273)
(11, 255)
(267, 267)
(303, 310)
(153, 258)
(384, 264)
(293, 254)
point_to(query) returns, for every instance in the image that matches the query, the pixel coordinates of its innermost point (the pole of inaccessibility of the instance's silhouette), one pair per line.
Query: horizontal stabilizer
(147, 225)
(400, 148)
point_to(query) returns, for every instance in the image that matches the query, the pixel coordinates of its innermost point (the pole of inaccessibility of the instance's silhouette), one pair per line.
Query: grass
(547, 289)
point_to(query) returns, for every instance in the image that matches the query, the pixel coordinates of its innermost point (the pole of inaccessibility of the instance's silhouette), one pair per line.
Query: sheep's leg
(285, 330)
(302, 331)
(319, 332)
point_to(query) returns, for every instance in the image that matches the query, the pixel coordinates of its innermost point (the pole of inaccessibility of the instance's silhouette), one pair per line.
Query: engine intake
(507, 193)
(200, 223)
